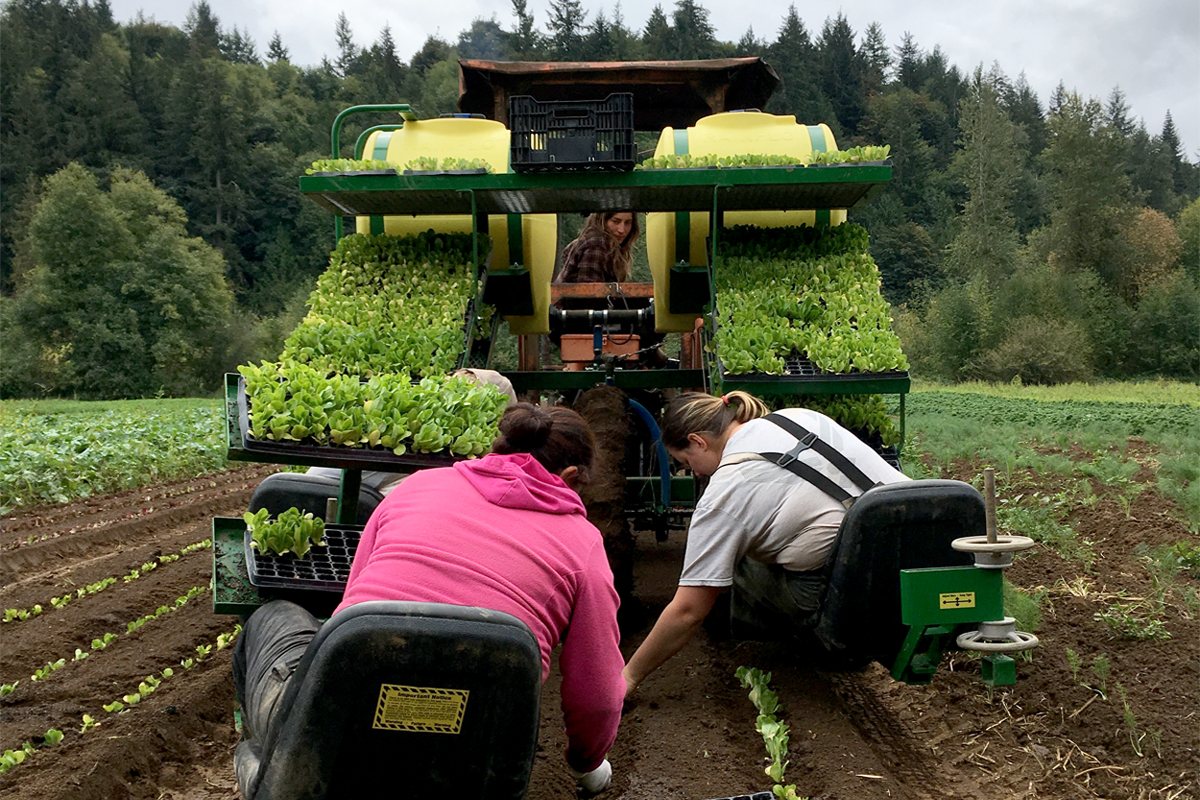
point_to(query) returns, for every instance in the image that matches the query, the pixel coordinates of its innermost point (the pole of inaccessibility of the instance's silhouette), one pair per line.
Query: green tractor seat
(889, 528)
(404, 699)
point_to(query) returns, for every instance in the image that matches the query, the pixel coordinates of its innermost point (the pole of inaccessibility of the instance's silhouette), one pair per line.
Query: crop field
(115, 674)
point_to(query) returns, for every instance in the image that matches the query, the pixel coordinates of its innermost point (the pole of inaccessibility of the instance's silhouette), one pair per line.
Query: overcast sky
(1150, 48)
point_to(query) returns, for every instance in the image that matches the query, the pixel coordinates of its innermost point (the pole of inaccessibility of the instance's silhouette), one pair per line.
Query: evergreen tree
(103, 123)
(749, 44)
(524, 43)
(348, 52)
(1089, 191)
(795, 60)
(626, 45)
(566, 30)
(1116, 113)
(694, 36)
(657, 36)
(238, 48)
(203, 30)
(276, 51)
(989, 164)
(841, 73)
(598, 45)
(433, 51)
(908, 63)
(877, 61)
(485, 39)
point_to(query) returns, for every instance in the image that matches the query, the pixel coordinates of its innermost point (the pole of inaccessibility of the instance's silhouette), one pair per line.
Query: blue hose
(664, 464)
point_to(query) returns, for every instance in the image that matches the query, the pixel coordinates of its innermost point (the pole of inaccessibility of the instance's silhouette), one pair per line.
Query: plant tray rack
(324, 568)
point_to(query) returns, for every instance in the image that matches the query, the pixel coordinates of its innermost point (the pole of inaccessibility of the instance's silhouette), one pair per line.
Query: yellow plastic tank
(728, 134)
(469, 138)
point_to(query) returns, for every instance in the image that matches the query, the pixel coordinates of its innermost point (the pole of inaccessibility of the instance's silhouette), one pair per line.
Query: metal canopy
(665, 93)
(749, 188)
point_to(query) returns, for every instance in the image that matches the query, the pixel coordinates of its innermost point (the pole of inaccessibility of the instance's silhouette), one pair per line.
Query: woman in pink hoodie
(506, 532)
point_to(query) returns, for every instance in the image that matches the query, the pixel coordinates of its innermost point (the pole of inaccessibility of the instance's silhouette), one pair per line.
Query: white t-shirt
(756, 509)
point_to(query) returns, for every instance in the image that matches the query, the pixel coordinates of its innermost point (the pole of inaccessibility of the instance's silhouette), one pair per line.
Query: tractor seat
(404, 699)
(889, 528)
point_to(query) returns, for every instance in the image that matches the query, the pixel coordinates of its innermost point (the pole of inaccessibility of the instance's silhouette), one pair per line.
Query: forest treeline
(152, 235)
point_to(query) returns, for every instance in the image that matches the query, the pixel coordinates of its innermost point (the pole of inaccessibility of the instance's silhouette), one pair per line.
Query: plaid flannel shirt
(590, 259)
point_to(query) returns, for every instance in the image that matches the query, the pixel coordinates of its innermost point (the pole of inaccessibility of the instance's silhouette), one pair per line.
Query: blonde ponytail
(695, 412)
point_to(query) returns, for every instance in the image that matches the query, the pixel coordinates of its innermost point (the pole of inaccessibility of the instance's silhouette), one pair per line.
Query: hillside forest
(152, 235)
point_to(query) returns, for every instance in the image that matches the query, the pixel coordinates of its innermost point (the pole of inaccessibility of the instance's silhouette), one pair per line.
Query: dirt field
(689, 733)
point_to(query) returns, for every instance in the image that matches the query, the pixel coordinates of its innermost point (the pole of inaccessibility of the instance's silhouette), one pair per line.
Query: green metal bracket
(335, 136)
(998, 669)
(921, 653)
(516, 242)
(950, 596)
(933, 603)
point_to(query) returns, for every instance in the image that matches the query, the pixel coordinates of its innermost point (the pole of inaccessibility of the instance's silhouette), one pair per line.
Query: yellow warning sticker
(956, 600)
(420, 709)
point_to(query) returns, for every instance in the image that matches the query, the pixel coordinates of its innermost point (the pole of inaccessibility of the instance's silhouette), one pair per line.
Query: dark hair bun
(525, 427)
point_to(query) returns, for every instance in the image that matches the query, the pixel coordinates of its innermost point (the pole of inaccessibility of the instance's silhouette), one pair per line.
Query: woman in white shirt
(768, 520)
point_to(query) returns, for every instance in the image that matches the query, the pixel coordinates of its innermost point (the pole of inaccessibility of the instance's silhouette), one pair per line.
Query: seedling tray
(357, 173)
(324, 455)
(325, 567)
(755, 796)
(802, 376)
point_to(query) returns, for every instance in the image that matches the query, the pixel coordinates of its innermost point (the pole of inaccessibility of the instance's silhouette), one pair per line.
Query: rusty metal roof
(665, 93)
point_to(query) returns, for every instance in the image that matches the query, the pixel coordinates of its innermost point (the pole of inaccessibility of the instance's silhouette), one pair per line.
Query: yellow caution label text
(956, 600)
(420, 709)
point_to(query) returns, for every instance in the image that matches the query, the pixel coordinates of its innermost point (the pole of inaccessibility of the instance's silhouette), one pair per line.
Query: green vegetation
(347, 165)
(389, 305)
(297, 403)
(774, 732)
(62, 457)
(802, 290)
(429, 164)
(852, 155)
(290, 532)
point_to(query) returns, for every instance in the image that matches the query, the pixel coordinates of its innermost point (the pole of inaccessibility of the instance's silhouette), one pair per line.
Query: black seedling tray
(798, 368)
(755, 796)
(325, 567)
(356, 173)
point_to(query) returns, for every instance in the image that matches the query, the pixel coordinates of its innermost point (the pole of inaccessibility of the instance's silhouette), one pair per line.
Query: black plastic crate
(565, 136)
(325, 567)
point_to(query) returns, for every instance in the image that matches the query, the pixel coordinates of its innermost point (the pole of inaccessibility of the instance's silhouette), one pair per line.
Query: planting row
(21, 614)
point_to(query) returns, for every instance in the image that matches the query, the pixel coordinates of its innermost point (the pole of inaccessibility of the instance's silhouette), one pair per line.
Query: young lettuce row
(99, 644)
(389, 305)
(146, 687)
(291, 532)
(853, 155)
(293, 402)
(774, 732)
(21, 614)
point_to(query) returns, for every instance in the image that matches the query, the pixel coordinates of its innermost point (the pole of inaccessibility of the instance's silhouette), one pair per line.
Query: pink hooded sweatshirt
(503, 533)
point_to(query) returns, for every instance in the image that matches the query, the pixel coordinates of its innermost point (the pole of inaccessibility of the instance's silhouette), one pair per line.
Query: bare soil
(689, 732)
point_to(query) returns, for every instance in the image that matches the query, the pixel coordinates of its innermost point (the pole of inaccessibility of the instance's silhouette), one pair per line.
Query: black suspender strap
(806, 473)
(808, 439)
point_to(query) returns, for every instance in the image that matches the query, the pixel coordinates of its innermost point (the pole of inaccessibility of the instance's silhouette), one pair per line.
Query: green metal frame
(335, 136)
(937, 602)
